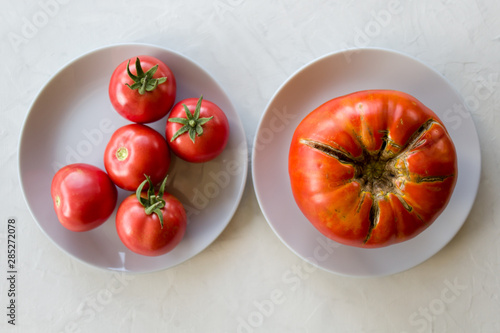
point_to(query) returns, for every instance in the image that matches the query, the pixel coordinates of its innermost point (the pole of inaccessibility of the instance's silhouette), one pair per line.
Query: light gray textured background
(251, 47)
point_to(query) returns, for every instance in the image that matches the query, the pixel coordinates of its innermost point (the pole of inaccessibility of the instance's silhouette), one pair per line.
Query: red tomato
(151, 224)
(372, 168)
(197, 130)
(84, 196)
(142, 89)
(133, 151)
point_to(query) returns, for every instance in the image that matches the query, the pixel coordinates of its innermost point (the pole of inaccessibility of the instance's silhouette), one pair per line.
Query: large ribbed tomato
(372, 168)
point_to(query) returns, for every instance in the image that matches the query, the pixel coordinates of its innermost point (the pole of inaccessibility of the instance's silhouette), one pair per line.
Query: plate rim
(305, 67)
(71, 62)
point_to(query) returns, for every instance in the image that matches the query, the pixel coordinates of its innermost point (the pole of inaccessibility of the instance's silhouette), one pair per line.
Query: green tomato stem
(192, 124)
(143, 82)
(153, 203)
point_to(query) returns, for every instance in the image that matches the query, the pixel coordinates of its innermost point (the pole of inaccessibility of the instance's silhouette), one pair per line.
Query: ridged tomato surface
(372, 168)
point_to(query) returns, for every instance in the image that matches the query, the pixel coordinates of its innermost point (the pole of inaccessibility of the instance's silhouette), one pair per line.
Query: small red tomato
(197, 130)
(133, 151)
(144, 91)
(151, 224)
(84, 196)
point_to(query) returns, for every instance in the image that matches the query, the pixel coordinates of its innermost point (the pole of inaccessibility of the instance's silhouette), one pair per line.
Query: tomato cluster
(137, 158)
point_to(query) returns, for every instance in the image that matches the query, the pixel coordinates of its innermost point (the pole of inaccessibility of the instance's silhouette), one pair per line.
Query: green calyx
(192, 124)
(153, 203)
(144, 81)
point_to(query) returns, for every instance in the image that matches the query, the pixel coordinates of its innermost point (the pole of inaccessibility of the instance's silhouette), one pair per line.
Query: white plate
(71, 120)
(335, 75)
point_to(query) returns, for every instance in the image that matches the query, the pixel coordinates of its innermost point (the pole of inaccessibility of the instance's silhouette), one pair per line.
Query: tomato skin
(147, 153)
(84, 196)
(207, 146)
(390, 170)
(142, 233)
(150, 106)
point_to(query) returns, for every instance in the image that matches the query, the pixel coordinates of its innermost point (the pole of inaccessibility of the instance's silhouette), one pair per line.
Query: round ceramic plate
(72, 119)
(339, 74)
